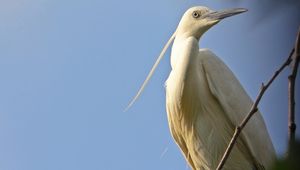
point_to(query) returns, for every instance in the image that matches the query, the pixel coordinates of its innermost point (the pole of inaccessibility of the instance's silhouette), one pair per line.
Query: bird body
(201, 94)
(205, 101)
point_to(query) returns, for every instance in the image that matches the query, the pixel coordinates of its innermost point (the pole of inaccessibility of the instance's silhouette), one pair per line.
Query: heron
(205, 101)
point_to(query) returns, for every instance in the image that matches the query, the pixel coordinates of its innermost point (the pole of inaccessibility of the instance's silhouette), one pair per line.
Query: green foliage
(292, 161)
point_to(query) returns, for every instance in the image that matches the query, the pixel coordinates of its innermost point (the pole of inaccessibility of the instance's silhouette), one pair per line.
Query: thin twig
(253, 110)
(292, 81)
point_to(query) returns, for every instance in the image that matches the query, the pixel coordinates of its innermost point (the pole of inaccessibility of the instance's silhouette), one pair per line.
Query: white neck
(181, 46)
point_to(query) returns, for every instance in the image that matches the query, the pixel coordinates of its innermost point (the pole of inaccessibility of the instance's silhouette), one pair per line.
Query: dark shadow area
(291, 162)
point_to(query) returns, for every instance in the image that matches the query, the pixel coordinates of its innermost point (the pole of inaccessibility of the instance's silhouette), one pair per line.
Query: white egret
(205, 101)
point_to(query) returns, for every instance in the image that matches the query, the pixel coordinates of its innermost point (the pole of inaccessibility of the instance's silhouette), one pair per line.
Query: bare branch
(253, 110)
(292, 81)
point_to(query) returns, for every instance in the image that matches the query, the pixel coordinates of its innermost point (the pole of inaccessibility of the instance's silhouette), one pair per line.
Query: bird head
(194, 22)
(197, 20)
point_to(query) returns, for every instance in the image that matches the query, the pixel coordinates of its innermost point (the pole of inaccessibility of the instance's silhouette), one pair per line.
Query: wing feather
(236, 104)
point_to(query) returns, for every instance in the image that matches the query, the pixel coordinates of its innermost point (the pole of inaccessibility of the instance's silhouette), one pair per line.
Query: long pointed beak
(219, 15)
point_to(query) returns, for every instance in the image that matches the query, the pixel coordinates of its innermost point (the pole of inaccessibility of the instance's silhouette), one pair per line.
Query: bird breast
(186, 76)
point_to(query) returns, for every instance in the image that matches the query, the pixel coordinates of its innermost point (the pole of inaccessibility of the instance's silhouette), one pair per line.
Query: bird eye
(196, 14)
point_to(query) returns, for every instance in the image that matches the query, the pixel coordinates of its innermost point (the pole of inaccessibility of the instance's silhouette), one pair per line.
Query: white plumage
(205, 101)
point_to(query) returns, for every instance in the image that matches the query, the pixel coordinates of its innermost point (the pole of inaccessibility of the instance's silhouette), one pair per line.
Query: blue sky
(69, 68)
